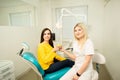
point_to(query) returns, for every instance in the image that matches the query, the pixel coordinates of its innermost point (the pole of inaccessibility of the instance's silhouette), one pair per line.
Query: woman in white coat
(83, 51)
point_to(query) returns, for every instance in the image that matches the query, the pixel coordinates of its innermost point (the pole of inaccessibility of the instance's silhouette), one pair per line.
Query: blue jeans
(59, 65)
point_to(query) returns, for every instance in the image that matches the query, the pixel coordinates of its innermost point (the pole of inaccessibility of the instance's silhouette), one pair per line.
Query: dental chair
(32, 61)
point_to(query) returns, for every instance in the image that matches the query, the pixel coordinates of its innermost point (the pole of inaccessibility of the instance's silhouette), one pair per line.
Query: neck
(45, 41)
(81, 42)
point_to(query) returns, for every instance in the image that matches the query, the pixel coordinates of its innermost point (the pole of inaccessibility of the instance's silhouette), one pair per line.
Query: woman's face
(78, 32)
(46, 35)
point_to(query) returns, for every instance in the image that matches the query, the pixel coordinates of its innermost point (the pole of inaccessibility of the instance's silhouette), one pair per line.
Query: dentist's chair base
(33, 63)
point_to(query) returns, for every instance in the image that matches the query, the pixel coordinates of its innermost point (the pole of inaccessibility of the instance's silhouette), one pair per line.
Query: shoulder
(41, 44)
(89, 42)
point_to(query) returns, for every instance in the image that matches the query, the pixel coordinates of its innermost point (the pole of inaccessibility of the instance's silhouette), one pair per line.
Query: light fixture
(60, 20)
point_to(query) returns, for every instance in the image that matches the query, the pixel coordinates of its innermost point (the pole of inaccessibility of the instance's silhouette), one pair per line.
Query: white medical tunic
(87, 49)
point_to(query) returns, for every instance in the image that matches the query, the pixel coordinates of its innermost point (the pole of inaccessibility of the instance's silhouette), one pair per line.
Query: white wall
(12, 36)
(45, 14)
(112, 38)
(10, 44)
(95, 17)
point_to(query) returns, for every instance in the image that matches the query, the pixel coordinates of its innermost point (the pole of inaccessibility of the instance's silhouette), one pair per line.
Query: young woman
(83, 51)
(47, 56)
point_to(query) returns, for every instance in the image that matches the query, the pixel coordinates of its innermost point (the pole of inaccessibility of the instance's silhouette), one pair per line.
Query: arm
(83, 67)
(59, 58)
(44, 55)
(85, 64)
(72, 56)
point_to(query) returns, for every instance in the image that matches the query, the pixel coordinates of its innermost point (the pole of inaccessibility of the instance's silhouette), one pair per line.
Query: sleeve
(89, 48)
(46, 58)
(58, 57)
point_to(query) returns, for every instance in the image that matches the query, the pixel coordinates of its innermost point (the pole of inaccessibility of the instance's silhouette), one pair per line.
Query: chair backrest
(99, 58)
(31, 58)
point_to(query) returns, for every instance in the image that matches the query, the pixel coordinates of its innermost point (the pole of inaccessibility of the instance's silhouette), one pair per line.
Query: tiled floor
(103, 75)
(30, 75)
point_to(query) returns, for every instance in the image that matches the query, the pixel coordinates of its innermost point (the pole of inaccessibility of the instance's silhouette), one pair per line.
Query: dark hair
(53, 36)
(51, 39)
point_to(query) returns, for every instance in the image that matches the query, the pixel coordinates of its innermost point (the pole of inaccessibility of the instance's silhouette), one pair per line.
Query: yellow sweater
(46, 56)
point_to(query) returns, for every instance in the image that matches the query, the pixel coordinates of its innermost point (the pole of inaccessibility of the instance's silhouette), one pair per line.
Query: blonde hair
(85, 37)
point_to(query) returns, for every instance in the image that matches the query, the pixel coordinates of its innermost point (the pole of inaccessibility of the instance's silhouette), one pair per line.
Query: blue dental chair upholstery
(51, 76)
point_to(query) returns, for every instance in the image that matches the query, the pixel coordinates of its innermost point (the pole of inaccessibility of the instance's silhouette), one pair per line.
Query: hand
(56, 48)
(59, 46)
(75, 77)
(62, 49)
